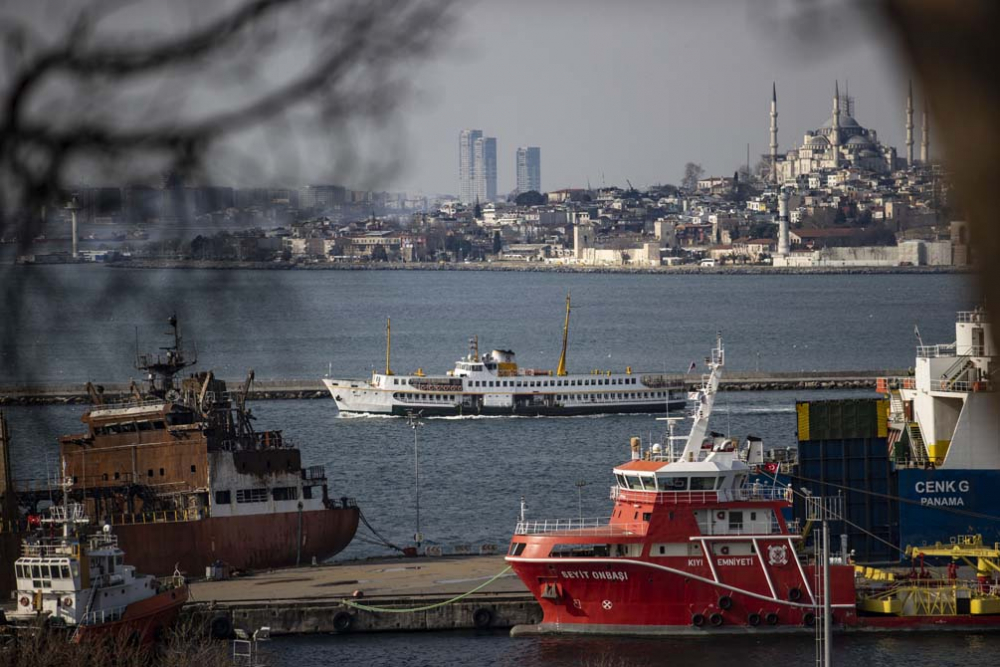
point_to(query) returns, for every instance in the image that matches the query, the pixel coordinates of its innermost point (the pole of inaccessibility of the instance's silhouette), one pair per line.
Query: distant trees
(530, 198)
(692, 174)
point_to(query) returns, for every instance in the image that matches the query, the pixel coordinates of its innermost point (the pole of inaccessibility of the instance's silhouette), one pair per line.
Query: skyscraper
(466, 165)
(484, 168)
(529, 169)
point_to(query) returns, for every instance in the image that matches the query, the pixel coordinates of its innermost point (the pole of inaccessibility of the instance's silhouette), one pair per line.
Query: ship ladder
(86, 612)
(917, 447)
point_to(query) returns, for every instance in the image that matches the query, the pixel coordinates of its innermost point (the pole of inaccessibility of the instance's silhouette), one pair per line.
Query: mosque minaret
(909, 127)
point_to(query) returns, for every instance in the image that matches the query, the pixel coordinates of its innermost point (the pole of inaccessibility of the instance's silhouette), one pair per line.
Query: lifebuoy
(24, 601)
(794, 594)
(715, 619)
(343, 621)
(698, 620)
(809, 619)
(482, 617)
(720, 516)
(771, 618)
(67, 602)
(724, 550)
(221, 627)
(753, 620)
(725, 602)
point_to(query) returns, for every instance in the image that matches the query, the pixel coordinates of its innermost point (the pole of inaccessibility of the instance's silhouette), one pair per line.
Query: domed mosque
(840, 142)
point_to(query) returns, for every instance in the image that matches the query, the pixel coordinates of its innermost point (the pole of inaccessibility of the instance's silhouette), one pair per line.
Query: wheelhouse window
(223, 497)
(736, 521)
(703, 483)
(673, 483)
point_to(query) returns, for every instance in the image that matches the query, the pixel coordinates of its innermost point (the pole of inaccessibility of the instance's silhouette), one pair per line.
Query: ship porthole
(753, 620)
(794, 594)
(715, 619)
(342, 622)
(698, 620)
(725, 602)
(809, 619)
(771, 618)
(482, 617)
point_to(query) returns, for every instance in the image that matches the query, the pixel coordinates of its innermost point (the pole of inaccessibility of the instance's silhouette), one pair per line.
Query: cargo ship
(492, 384)
(921, 463)
(69, 579)
(185, 481)
(692, 546)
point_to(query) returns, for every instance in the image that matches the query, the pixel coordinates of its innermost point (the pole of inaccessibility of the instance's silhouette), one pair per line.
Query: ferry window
(646, 516)
(145, 426)
(648, 482)
(118, 475)
(119, 560)
(632, 482)
(159, 425)
(149, 473)
(702, 483)
(45, 572)
(517, 548)
(307, 492)
(36, 572)
(194, 468)
(223, 497)
(753, 516)
(161, 472)
(621, 480)
(736, 521)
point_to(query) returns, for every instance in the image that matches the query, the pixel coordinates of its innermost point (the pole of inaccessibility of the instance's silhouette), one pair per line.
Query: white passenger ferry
(492, 384)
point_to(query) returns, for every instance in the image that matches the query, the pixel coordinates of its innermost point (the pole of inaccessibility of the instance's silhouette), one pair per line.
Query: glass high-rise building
(529, 169)
(477, 167)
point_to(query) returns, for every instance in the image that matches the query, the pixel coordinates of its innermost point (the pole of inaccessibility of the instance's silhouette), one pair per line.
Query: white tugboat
(493, 384)
(83, 584)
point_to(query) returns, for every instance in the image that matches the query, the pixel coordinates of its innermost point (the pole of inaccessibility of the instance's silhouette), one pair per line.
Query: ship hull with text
(692, 546)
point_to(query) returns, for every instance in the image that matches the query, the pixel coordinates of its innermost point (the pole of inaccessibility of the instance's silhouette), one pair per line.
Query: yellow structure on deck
(936, 596)
(561, 370)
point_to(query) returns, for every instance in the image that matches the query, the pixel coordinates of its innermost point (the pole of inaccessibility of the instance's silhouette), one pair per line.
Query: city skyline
(641, 111)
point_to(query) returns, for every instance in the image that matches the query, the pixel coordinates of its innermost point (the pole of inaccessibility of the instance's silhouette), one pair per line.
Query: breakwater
(533, 267)
(314, 389)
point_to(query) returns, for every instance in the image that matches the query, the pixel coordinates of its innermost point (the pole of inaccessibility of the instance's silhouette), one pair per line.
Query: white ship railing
(934, 351)
(579, 527)
(103, 616)
(747, 494)
(973, 316)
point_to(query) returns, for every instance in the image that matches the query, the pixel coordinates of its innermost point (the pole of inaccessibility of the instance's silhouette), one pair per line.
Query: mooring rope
(396, 610)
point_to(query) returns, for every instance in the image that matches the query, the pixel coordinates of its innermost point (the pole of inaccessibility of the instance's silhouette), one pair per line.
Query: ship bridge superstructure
(942, 416)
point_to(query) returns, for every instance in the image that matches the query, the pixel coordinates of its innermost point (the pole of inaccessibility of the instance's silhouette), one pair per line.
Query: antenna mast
(388, 344)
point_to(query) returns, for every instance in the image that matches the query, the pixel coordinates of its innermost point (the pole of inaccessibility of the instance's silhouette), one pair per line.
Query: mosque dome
(846, 120)
(858, 140)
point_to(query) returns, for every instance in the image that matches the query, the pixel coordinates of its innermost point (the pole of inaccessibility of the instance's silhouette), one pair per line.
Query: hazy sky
(635, 89)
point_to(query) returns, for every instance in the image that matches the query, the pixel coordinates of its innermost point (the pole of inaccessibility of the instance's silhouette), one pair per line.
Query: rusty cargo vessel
(185, 481)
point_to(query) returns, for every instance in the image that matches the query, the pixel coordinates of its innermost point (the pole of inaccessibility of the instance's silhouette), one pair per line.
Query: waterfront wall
(286, 617)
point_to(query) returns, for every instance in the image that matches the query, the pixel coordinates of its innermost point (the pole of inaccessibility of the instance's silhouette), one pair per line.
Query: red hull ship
(185, 481)
(692, 547)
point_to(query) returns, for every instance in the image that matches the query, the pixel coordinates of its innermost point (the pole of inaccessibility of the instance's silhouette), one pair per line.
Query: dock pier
(382, 595)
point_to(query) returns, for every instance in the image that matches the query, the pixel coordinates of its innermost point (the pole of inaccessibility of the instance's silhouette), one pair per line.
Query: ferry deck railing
(165, 516)
(580, 527)
(746, 494)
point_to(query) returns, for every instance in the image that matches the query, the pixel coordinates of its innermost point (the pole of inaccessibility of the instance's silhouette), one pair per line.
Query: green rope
(388, 610)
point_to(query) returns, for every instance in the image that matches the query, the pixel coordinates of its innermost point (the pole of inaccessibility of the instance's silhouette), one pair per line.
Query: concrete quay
(418, 591)
(313, 388)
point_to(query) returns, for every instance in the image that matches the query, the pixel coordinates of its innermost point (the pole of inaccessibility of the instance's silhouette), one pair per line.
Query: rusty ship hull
(253, 542)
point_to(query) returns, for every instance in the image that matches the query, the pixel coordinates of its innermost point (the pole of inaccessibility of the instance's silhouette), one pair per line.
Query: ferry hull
(259, 541)
(143, 621)
(537, 411)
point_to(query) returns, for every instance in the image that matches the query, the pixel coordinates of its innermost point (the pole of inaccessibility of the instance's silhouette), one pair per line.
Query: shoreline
(535, 267)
